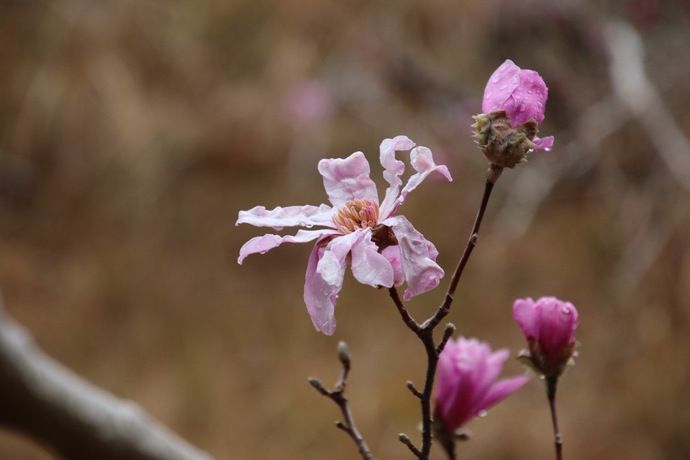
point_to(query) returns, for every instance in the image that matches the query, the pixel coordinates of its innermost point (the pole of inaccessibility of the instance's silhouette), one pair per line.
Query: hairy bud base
(503, 145)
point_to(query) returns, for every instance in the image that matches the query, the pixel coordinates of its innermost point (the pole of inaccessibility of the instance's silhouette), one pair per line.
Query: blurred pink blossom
(309, 102)
(521, 93)
(467, 386)
(385, 250)
(549, 325)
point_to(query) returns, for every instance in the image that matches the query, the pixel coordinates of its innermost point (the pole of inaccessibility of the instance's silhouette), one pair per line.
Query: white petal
(290, 216)
(418, 255)
(347, 179)
(392, 170)
(319, 295)
(265, 243)
(368, 265)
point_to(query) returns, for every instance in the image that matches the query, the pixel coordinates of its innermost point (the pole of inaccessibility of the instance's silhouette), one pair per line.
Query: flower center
(359, 213)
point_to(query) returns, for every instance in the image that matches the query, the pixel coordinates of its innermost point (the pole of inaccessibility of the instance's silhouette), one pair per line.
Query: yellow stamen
(358, 213)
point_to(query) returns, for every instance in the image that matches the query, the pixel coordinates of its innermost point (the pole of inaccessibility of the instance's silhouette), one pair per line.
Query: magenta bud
(513, 108)
(549, 326)
(467, 383)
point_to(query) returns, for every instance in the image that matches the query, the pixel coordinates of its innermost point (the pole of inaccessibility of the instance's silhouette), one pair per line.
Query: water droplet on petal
(482, 413)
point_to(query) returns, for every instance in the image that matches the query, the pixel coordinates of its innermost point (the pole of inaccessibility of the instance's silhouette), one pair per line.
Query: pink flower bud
(467, 373)
(521, 93)
(549, 325)
(513, 108)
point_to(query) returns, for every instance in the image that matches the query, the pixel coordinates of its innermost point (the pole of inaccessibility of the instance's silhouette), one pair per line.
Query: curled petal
(521, 93)
(418, 257)
(527, 315)
(392, 254)
(368, 266)
(543, 144)
(324, 279)
(319, 295)
(265, 243)
(290, 216)
(423, 162)
(392, 170)
(347, 179)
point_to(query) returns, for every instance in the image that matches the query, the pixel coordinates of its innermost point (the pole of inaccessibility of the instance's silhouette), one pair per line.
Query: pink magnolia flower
(549, 325)
(384, 250)
(522, 94)
(467, 373)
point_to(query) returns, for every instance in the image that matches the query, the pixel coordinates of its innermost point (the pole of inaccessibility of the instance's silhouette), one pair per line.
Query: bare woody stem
(471, 243)
(551, 384)
(425, 331)
(45, 400)
(337, 395)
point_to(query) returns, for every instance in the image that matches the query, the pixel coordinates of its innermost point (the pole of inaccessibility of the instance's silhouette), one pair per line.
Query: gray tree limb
(45, 400)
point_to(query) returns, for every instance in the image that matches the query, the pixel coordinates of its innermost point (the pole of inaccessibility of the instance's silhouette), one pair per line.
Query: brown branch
(425, 331)
(469, 247)
(48, 402)
(337, 395)
(407, 318)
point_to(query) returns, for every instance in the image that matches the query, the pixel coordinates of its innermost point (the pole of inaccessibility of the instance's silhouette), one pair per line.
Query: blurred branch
(532, 186)
(634, 97)
(632, 86)
(45, 400)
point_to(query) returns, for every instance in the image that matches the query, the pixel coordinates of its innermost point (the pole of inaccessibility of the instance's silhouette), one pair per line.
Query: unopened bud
(316, 383)
(344, 354)
(549, 326)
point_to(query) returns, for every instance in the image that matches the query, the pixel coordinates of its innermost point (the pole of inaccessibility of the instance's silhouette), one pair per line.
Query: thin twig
(447, 334)
(407, 318)
(471, 243)
(427, 420)
(551, 383)
(405, 440)
(413, 389)
(337, 395)
(425, 330)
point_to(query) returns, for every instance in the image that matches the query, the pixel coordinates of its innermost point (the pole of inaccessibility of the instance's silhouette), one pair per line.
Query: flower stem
(449, 447)
(551, 383)
(425, 331)
(471, 243)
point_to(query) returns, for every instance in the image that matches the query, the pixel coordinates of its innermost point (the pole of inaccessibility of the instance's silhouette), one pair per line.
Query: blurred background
(132, 132)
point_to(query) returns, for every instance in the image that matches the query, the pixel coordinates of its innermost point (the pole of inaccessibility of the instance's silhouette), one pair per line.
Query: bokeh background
(132, 132)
